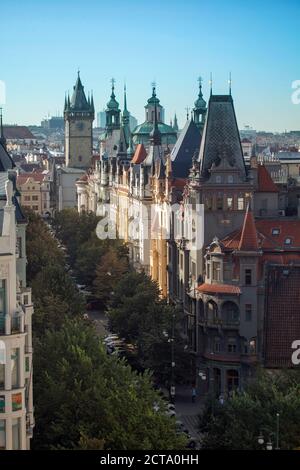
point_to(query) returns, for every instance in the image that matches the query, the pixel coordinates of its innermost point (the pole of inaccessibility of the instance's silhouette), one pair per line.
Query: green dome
(147, 127)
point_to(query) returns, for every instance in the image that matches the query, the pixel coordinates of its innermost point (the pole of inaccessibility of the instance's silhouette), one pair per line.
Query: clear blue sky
(44, 42)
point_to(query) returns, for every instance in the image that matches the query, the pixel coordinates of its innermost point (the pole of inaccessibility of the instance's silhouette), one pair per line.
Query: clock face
(80, 126)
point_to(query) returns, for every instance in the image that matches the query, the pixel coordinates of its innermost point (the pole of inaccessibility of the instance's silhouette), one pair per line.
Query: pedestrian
(194, 393)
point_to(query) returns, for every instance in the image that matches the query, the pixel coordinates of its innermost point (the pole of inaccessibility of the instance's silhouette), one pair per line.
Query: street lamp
(269, 444)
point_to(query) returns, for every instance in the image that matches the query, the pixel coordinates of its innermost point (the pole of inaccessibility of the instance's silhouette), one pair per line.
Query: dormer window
(275, 231)
(230, 179)
(288, 241)
(218, 179)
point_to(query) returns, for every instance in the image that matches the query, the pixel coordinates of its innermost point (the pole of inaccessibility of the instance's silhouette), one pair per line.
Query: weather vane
(113, 81)
(210, 83)
(230, 83)
(187, 112)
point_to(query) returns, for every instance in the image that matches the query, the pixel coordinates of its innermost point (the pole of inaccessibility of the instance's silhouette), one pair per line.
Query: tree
(237, 424)
(142, 317)
(109, 272)
(85, 398)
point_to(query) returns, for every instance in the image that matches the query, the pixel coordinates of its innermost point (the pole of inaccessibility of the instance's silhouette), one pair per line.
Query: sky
(43, 43)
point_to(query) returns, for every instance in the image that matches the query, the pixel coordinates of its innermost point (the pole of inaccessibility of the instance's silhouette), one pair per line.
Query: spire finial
(78, 72)
(187, 113)
(125, 98)
(200, 85)
(153, 84)
(230, 83)
(210, 83)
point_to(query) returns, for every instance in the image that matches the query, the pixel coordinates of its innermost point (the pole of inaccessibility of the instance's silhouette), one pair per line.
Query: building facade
(16, 397)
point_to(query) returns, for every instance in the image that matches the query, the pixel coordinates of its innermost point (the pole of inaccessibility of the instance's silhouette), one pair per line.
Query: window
(2, 434)
(230, 179)
(217, 345)
(248, 277)
(275, 231)
(26, 198)
(80, 158)
(230, 203)
(216, 271)
(248, 312)
(220, 203)
(231, 347)
(2, 306)
(288, 241)
(19, 246)
(35, 198)
(218, 179)
(2, 403)
(16, 428)
(193, 269)
(15, 368)
(27, 364)
(227, 271)
(208, 203)
(16, 401)
(240, 203)
(181, 260)
(35, 208)
(208, 270)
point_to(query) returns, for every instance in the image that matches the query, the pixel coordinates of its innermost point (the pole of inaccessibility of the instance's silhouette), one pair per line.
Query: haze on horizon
(172, 42)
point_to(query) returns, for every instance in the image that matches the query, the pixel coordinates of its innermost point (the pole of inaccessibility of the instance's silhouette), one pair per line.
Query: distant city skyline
(171, 42)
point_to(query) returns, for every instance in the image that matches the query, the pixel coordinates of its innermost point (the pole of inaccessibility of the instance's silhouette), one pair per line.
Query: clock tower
(79, 114)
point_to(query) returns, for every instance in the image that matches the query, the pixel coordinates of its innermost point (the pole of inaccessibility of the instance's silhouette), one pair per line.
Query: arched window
(230, 312)
(211, 310)
(232, 379)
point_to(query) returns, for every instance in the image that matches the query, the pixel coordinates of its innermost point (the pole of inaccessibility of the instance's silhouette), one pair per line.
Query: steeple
(78, 100)
(200, 108)
(112, 111)
(126, 117)
(2, 138)
(248, 240)
(175, 125)
(155, 135)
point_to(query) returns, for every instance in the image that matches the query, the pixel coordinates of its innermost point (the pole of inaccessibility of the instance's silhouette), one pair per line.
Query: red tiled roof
(37, 176)
(267, 240)
(219, 289)
(17, 132)
(139, 154)
(282, 320)
(265, 182)
(248, 240)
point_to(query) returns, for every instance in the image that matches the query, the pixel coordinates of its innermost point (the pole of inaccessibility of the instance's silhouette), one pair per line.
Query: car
(171, 406)
(192, 443)
(110, 338)
(170, 413)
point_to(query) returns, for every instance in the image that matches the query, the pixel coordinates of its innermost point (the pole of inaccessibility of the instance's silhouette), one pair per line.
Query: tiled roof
(219, 289)
(184, 149)
(139, 154)
(17, 132)
(282, 319)
(221, 138)
(37, 176)
(272, 235)
(6, 162)
(248, 240)
(265, 182)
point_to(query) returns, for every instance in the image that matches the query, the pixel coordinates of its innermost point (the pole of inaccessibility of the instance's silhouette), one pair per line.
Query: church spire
(200, 107)
(175, 125)
(155, 135)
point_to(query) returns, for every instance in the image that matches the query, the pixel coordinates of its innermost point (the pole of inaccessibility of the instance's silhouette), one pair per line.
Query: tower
(112, 111)
(2, 138)
(200, 108)
(79, 114)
